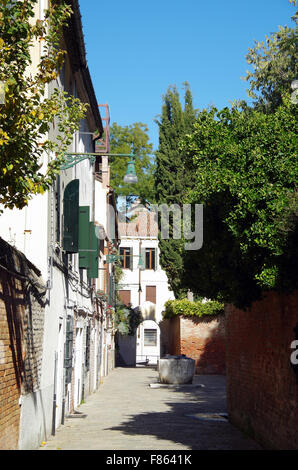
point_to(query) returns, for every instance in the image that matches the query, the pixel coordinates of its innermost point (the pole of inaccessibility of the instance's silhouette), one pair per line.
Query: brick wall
(262, 389)
(170, 336)
(21, 338)
(201, 339)
(204, 341)
(11, 364)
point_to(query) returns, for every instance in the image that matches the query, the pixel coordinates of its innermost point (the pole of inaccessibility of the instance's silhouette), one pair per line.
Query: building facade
(144, 284)
(63, 235)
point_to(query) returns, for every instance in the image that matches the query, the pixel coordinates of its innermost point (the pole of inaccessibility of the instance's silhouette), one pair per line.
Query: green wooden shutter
(155, 259)
(112, 291)
(84, 214)
(142, 261)
(92, 271)
(71, 217)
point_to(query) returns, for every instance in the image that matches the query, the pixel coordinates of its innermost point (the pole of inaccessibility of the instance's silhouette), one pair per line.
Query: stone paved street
(127, 414)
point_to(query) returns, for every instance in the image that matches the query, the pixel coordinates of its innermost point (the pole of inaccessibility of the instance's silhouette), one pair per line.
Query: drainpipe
(55, 396)
(51, 247)
(63, 408)
(140, 285)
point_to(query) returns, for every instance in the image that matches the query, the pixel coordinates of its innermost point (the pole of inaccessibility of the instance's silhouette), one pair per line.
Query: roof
(75, 44)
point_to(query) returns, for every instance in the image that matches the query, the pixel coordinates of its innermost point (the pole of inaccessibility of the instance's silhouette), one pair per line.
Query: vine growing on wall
(27, 112)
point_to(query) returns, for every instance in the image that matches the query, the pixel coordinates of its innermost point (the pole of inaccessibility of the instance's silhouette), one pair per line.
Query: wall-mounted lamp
(72, 159)
(131, 175)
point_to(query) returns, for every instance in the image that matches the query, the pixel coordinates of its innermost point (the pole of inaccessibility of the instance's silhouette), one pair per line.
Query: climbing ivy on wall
(197, 309)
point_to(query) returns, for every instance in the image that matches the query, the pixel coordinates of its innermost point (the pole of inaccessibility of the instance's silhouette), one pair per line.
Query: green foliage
(246, 172)
(192, 309)
(118, 271)
(274, 67)
(132, 139)
(241, 164)
(28, 114)
(126, 319)
(172, 178)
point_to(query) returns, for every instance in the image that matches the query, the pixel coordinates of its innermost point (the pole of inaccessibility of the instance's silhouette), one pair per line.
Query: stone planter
(176, 370)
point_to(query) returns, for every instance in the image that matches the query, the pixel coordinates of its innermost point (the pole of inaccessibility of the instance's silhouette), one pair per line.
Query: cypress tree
(172, 180)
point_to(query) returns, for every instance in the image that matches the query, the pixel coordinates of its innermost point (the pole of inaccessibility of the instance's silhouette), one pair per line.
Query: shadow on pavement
(177, 426)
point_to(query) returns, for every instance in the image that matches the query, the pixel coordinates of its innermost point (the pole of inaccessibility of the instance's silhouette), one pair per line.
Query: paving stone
(127, 414)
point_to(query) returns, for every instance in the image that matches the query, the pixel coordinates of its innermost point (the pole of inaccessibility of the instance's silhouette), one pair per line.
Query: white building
(144, 285)
(77, 335)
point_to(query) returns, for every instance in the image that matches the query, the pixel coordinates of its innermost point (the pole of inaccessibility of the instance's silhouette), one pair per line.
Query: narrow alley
(126, 413)
(148, 227)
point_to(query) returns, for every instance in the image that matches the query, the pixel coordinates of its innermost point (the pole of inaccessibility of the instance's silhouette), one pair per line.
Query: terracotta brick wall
(262, 389)
(200, 339)
(11, 364)
(22, 295)
(170, 337)
(204, 341)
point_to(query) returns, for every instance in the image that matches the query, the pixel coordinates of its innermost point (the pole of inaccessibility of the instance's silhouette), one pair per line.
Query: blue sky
(136, 49)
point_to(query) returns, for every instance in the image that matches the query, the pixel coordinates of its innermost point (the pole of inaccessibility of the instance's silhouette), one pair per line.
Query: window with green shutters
(92, 271)
(71, 217)
(88, 243)
(84, 216)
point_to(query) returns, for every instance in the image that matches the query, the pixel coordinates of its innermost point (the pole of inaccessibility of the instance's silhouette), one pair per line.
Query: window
(151, 294)
(68, 350)
(150, 337)
(150, 254)
(125, 296)
(126, 258)
(70, 216)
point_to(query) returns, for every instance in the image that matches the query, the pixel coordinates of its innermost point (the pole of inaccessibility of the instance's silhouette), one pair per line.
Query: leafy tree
(274, 67)
(171, 176)
(28, 113)
(246, 176)
(132, 139)
(245, 170)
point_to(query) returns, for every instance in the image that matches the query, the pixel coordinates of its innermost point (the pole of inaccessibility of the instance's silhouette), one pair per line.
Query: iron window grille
(150, 337)
(68, 350)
